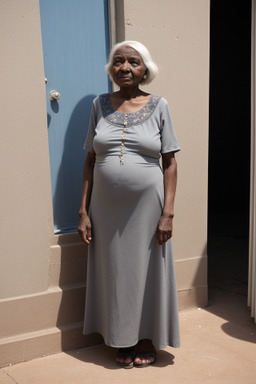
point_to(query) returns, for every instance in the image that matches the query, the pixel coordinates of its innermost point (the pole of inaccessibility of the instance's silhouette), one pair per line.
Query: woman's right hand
(85, 228)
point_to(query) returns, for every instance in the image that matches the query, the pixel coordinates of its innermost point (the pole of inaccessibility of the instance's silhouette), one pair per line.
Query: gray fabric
(131, 288)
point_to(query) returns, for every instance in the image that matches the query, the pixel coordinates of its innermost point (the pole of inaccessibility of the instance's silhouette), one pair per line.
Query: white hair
(151, 67)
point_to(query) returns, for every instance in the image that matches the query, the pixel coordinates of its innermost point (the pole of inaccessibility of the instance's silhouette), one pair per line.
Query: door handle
(54, 95)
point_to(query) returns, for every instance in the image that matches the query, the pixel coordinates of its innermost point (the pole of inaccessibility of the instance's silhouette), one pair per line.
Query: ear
(145, 74)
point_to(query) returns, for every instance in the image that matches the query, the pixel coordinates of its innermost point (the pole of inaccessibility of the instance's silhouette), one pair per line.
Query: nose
(125, 67)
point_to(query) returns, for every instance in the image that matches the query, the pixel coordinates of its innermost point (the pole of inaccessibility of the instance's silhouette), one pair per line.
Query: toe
(128, 360)
(140, 360)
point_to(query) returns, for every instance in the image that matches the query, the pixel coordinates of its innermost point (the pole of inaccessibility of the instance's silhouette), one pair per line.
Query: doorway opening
(229, 146)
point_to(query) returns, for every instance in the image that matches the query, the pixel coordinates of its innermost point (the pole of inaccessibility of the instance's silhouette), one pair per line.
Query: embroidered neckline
(133, 118)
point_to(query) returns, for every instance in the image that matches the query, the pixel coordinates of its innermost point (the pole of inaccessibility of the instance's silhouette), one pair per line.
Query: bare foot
(124, 356)
(145, 353)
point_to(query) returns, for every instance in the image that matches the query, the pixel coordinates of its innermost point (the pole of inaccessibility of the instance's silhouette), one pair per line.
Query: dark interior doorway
(229, 145)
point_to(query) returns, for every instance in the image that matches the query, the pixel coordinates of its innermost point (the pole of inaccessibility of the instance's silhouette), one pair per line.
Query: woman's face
(128, 68)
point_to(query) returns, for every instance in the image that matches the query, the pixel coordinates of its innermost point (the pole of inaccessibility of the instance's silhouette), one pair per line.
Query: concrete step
(48, 341)
(32, 313)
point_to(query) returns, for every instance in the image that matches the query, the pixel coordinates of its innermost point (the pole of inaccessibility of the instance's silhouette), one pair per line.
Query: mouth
(125, 76)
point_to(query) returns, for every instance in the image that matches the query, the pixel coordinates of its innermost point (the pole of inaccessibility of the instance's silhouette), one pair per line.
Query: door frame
(252, 230)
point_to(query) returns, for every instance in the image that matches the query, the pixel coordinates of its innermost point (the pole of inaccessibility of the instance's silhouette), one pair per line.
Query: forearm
(87, 183)
(170, 183)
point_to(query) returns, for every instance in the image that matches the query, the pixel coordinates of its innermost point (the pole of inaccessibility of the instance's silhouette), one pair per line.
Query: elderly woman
(126, 213)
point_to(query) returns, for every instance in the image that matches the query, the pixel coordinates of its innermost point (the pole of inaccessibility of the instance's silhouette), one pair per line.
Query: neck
(129, 93)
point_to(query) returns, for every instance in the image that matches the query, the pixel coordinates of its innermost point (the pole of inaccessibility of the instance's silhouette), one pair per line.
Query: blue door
(75, 48)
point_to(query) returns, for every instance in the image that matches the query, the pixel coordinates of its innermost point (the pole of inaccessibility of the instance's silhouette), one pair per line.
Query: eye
(117, 62)
(135, 63)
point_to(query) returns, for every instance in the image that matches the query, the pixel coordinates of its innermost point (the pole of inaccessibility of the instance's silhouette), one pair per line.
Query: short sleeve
(168, 137)
(88, 145)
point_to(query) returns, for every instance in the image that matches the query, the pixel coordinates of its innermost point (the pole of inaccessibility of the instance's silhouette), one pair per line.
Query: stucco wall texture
(25, 174)
(177, 34)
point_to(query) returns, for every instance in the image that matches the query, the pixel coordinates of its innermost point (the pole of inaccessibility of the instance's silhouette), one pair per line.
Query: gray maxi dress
(131, 286)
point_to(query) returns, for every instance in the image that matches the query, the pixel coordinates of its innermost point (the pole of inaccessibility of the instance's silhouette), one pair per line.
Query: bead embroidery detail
(134, 118)
(123, 137)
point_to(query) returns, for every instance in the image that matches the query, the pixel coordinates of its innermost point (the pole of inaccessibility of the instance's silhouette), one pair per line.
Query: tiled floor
(218, 346)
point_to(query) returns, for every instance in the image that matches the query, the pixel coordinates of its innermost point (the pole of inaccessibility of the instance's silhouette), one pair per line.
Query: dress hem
(127, 345)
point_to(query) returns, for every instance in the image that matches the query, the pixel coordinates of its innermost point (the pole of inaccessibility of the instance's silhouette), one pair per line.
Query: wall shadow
(73, 253)
(67, 194)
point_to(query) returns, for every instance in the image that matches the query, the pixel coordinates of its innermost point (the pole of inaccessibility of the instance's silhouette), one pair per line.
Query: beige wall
(42, 276)
(25, 187)
(177, 35)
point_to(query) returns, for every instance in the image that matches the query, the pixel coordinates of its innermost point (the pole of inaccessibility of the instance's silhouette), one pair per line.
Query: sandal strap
(126, 353)
(146, 353)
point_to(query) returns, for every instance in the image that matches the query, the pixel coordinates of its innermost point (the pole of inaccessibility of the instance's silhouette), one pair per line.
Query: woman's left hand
(164, 229)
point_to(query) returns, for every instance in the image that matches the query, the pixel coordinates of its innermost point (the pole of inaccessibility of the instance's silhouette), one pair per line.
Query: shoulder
(163, 106)
(103, 96)
(160, 103)
(103, 99)
(159, 100)
(99, 101)
(100, 98)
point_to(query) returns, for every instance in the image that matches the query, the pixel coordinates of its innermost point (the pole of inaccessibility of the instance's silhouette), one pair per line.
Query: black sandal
(125, 353)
